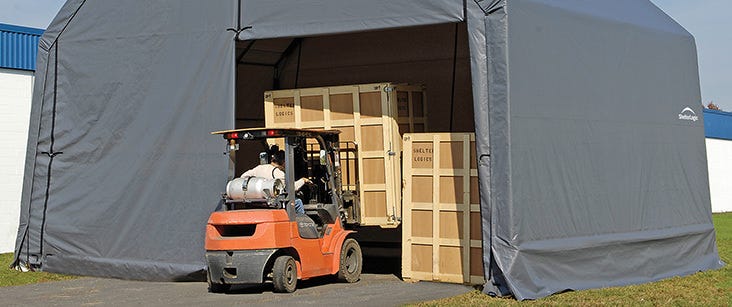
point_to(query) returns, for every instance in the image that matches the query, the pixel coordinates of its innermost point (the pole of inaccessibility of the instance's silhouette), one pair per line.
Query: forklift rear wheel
(284, 274)
(351, 262)
(216, 287)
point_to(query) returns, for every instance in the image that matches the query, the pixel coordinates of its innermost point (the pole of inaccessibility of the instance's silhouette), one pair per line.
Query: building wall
(718, 130)
(16, 88)
(719, 161)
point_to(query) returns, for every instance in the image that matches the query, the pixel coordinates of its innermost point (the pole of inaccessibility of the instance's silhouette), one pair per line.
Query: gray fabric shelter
(589, 175)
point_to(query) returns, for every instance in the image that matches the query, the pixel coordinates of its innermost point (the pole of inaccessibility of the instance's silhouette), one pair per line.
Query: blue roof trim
(18, 46)
(19, 29)
(718, 124)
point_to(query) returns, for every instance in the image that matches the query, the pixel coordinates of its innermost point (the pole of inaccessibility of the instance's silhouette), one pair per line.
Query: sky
(707, 20)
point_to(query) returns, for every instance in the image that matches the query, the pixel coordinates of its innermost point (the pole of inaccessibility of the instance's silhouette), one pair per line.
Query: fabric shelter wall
(123, 171)
(271, 19)
(596, 179)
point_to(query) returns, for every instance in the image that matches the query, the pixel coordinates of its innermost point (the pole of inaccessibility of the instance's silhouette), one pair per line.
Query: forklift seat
(328, 213)
(307, 227)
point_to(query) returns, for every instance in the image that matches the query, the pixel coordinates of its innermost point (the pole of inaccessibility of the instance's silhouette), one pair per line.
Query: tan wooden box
(369, 115)
(441, 232)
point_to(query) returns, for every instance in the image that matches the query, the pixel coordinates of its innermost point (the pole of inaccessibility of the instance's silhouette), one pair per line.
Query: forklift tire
(216, 287)
(284, 274)
(351, 262)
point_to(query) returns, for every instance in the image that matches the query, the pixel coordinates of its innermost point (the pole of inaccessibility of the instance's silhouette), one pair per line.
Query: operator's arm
(281, 175)
(299, 183)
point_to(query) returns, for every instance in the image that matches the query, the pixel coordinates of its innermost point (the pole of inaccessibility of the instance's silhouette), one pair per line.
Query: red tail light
(234, 135)
(271, 133)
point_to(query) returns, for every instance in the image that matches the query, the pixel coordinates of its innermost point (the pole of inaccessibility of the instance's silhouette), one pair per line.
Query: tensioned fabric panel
(290, 18)
(122, 172)
(597, 180)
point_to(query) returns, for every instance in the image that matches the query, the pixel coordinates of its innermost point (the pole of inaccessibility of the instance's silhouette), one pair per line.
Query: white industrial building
(718, 127)
(18, 47)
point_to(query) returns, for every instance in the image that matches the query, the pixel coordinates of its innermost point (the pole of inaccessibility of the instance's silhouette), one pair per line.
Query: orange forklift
(259, 237)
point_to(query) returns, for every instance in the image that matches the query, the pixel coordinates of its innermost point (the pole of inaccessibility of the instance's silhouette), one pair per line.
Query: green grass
(711, 288)
(10, 277)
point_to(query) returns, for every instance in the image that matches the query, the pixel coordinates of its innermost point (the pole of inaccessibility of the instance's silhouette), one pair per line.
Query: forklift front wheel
(351, 262)
(284, 274)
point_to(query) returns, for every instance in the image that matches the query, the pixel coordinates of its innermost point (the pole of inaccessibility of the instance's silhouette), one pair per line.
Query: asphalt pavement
(371, 290)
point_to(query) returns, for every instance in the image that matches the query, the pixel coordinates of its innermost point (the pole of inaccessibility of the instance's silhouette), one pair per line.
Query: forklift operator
(276, 170)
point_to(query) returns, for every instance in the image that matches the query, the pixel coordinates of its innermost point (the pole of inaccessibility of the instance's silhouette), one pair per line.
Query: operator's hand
(306, 180)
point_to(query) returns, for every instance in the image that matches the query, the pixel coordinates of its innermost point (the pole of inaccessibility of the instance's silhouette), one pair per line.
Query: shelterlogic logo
(688, 114)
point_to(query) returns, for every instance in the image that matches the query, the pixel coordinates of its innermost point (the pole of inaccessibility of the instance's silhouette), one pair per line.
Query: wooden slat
(435, 201)
(447, 172)
(441, 206)
(298, 110)
(373, 187)
(375, 221)
(465, 209)
(407, 217)
(388, 160)
(440, 241)
(476, 243)
(410, 119)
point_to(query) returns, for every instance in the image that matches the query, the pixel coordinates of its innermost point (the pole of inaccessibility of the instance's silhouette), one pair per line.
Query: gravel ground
(371, 290)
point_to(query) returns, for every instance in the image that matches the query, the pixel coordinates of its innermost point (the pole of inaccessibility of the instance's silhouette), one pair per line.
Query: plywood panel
(451, 260)
(473, 156)
(474, 191)
(372, 138)
(348, 134)
(476, 262)
(451, 155)
(451, 190)
(421, 189)
(375, 203)
(370, 105)
(284, 110)
(451, 225)
(421, 258)
(422, 155)
(373, 171)
(422, 223)
(475, 229)
(312, 108)
(341, 106)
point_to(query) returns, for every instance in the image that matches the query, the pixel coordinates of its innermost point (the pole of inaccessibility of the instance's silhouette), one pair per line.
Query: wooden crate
(370, 115)
(441, 230)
